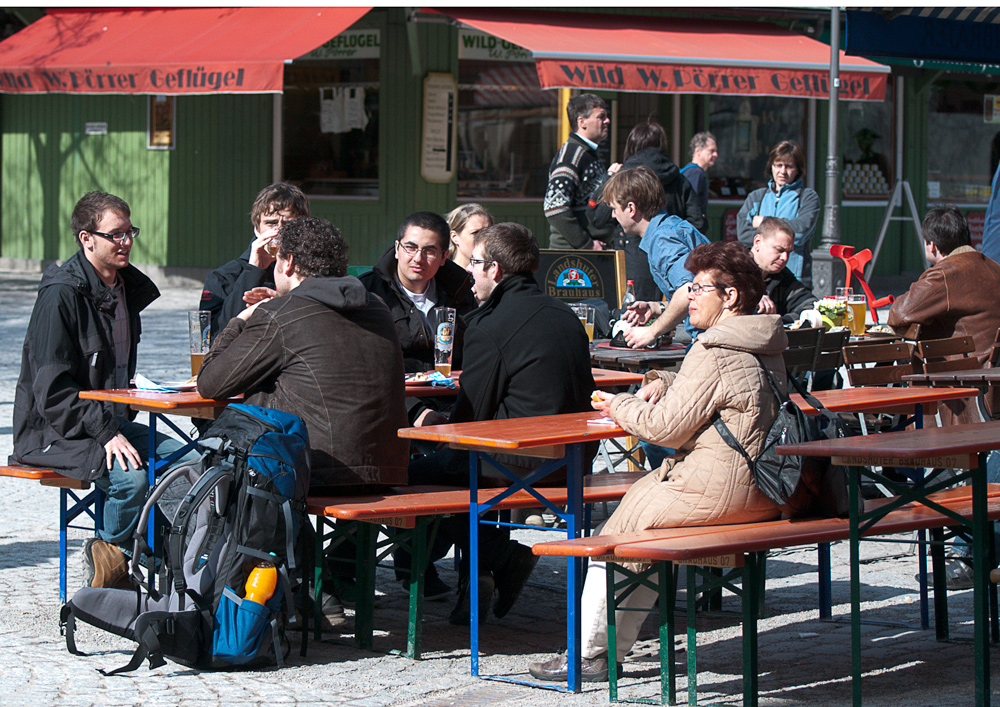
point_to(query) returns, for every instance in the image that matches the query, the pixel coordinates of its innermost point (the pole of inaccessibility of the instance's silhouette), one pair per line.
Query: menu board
(440, 130)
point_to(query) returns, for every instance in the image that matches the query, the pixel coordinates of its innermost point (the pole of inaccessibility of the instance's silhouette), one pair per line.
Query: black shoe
(434, 588)
(512, 577)
(554, 669)
(461, 615)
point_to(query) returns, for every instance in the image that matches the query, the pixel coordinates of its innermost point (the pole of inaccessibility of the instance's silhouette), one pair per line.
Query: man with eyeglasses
(250, 278)
(412, 277)
(83, 335)
(636, 198)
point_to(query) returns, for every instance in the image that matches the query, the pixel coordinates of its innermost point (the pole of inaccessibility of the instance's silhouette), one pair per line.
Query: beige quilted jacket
(706, 482)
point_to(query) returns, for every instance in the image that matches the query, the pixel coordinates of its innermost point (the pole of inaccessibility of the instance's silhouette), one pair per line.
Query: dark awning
(962, 34)
(657, 54)
(165, 51)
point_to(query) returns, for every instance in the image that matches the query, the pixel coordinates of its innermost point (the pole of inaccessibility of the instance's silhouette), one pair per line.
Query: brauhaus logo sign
(663, 78)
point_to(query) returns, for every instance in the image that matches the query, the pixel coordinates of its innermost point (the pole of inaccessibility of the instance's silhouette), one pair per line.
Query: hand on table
(638, 313)
(640, 336)
(121, 449)
(766, 306)
(601, 402)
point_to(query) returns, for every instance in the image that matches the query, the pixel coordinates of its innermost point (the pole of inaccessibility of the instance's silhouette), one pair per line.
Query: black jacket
(790, 296)
(525, 355)
(224, 288)
(327, 352)
(69, 348)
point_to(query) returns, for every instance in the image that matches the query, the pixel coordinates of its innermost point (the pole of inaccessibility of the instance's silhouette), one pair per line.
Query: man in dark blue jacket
(83, 335)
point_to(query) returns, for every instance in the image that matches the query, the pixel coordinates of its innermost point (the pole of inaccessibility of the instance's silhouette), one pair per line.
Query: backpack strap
(67, 624)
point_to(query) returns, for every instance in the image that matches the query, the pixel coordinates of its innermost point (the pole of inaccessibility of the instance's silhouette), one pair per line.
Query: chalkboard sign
(574, 275)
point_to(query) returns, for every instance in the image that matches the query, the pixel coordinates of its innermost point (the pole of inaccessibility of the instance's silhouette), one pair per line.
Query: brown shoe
(106, 564)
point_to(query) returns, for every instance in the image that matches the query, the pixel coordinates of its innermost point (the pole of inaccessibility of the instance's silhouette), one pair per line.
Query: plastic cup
(199, 337)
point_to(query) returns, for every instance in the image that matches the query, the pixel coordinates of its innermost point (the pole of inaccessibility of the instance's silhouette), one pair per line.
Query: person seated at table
(325, 349)
(413, 277)
(956, 296)
(465, 222)
(636, 198)
(225, 287)
(83, 335)
(705, 482)
(526, 354)
(783, 294)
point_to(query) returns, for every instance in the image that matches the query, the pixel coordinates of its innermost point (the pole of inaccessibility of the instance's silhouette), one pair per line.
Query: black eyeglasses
(429, 252)
(484, 263)
(131, 234)
(697, 289)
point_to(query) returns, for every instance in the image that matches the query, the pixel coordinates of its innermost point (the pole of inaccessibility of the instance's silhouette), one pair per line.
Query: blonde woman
(465, 222)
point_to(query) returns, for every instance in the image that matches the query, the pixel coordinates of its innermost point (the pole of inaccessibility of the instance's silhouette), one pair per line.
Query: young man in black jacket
(525, 355)
(83, 335)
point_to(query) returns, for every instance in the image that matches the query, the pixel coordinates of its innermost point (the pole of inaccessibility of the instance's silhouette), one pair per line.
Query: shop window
(160, 127)
(963, 141)
(507, 126)
(745, 130)
(330, 116)
(865, 135)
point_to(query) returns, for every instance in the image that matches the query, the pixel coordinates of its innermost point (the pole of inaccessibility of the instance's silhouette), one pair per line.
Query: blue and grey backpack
(244, 503)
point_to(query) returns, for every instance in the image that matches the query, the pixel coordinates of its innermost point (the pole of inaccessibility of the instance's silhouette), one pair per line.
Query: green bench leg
(753, 578)
(418, 564)
(364, 609)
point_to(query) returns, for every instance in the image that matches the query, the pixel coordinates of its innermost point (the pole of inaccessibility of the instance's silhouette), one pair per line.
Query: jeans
(963, 550)
(126, 489)
(655, 454)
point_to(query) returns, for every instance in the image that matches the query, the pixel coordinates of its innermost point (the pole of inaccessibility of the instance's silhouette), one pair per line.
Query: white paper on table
(143, 383)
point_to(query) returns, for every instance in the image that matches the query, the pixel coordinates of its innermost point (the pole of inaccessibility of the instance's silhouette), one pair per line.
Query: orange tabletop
(189, 404)
(603, 377)
(876, 399)
(543, 436)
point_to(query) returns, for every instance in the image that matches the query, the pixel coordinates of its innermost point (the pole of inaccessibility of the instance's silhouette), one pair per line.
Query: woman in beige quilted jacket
(705, 482)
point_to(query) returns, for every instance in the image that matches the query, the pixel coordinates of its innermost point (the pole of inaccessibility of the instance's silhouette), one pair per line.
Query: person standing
(704, 153)
(787, 197)
(575, 175)
(84, 335)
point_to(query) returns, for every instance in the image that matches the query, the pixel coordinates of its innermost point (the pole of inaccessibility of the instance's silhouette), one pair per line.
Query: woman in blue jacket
(786, 197)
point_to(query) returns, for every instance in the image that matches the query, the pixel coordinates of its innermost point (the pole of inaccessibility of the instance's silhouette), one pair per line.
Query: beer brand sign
(690, 78)
(574, 275)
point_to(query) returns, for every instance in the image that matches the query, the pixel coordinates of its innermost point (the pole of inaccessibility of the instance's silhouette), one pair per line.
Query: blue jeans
(655, 454)
(126, 489)
(962, 549)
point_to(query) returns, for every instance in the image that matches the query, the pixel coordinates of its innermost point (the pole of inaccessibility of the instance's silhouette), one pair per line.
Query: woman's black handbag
(803, 487)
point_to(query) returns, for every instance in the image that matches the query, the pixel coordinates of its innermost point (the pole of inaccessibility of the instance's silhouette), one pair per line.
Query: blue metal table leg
(474, 560)
(574, 575)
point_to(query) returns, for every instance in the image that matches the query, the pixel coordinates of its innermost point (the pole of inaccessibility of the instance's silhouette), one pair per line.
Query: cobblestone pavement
(802, 661)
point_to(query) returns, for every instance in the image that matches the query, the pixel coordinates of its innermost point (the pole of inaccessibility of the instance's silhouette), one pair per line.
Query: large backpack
(245, 504)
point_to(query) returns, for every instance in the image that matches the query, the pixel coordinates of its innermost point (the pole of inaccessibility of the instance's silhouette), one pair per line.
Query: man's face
(595, 126)
(625, 215)
(416, 269)
(484, 279)
(771, 252)
(707, 155)
(272, 221)
(103, 253)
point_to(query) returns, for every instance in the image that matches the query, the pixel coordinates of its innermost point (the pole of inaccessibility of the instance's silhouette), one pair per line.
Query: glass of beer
(585, 314)
(199, 337)
(858, 307)
(272, 246)
(442, 320)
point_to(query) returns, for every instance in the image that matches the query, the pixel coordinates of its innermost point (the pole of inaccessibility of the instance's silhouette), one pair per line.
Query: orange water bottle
(261, 582)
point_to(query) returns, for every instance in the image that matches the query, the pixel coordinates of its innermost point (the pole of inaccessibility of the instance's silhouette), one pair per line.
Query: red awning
(165, 51)
(657, 54)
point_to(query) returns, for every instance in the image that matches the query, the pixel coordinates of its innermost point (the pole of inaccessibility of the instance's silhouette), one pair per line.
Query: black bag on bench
(803, 487)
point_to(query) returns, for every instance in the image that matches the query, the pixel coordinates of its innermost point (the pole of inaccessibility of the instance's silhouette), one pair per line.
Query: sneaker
(332, 619)
(106, 565)
(535, 520)
(461, 615)
(555, 669)
(434, 588)
(958, 576)
(512, 577)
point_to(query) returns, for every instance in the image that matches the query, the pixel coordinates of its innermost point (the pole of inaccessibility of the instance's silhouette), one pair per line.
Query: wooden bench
(740, 550)
(71, 506)
(411, 510)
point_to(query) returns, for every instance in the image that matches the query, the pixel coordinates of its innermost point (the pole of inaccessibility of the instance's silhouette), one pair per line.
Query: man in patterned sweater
(575, 173)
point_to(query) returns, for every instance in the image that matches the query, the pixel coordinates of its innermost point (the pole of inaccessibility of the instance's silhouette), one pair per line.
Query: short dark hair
(946, 228)
(317, 246)
(646, 134)
(90, 209)
(581, 107)
(700, 141)
(278, 197)
(511, 245)
(786, 149)
(770, 225)
(641, 186)
(731, 265)
(430, 221)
